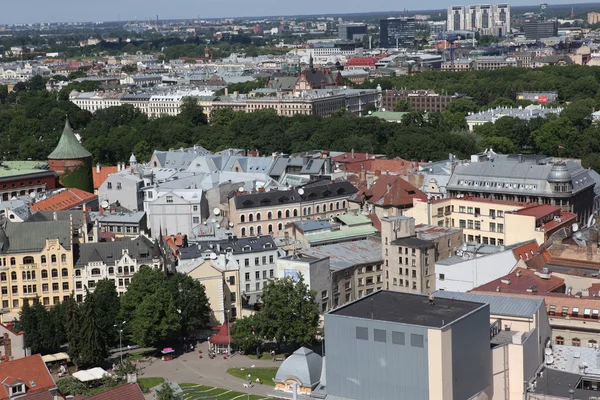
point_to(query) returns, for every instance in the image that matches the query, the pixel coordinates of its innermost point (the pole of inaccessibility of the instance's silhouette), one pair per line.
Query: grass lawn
(140, 354)
(265, 374)
(193, 391)
(148, 383)
(265, 356)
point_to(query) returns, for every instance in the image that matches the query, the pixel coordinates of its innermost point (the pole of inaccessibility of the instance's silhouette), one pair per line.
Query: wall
(17, 343)
(128, 196)
(212, 280)
(521, 228)
(368, 370)
(440, 363)
(471, 361)
(320, 280)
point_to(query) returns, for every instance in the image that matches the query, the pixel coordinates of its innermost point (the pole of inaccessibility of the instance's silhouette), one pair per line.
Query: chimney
(118, 167)
(352, 153)
(7, 347)
(226, 91)
(55, 216)
(98, 168)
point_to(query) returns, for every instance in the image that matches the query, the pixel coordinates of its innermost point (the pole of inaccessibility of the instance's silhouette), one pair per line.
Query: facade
(314, 271)
(396, 345)
(12, 343)
(397, 32)
(352, 31)
(593, 18)
(124, 188)
(269, 212)
(20, 178)
(255, 257)
(120, 224)
(534, 178)
(538, 29)
(116, 261)
(176, 211)
(487, 19)
(526, 114)
(72, 162)
(420, 100)
(36, 264)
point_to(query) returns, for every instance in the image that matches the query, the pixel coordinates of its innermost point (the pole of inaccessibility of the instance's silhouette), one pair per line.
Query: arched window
(269, 215)
(258, 216)
(32, 274)
(337, 205)
(344, 204)
(309, 210)
(27, 260)
(111, 270)
(259, 230)
(13, 261)
(560, 340)
(242, 218)
(95, 271)
(131, 269)
(77, 272)
(13, 276)
(279, 214)
(330, 206)
(251, 231)
(24, 275)
(63, 258)
(54, 273)
(53, 258)
(270, 228)
(318, 209)
(250, 217)
(65, 273)
(295, 212)
(243, 231)
(44, 274)
(287, 213)
(304, 211)
(44, 260)
(576, 342)
(279, 226)
(3, 275)
(126, 269)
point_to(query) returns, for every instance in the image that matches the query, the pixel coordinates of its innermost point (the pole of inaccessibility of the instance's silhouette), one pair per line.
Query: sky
(30, 11)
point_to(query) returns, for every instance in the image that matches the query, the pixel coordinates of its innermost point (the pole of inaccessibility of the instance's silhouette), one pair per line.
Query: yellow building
(36, 264)
(493, 222)
(221, 280)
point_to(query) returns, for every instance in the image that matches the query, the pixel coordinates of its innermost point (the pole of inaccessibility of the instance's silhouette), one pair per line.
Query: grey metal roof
(304, 366)
(31, 237)
(108, 252)
(309, 225)
(348, 254)
(233, 244)
(118, 217)
(58, 215)
(499, 305)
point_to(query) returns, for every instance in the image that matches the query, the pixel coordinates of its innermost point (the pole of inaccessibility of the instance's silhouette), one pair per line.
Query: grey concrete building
(175, 211)
(125, 188)
(397, 32)
(392, 345)
(314, 271)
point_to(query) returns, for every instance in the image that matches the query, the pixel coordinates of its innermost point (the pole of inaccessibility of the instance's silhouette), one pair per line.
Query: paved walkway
(189, 368)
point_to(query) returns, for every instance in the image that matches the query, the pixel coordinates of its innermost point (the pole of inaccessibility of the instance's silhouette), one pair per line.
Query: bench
(279, 359)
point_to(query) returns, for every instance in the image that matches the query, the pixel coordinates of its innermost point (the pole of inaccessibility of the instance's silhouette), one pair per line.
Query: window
(53, 259)
(492, 227)
(587, 313)
(250, 217)
(575, 312)
(243, 231)
(552, 310)
(565, 311)
(258, 216)
(500, 228)
(55, 287)
(247, 287)
(576, 342)
(194, 208)
(15, 290)
(44, 274)
(270, 228)
(44, 260)
(95, 271)
(379, 335)
(65, 285)
(111, 270)
(416, 340)
(279, 226)
(169, 199)
(13, 261)
(54, 273)
(247, 276)
(470, 224)
(271, 275)
(279, 214)
(500, 214)
(119, 187)
(242, 218)
(257, 285)
(63, 258)
(3, 277)
(398, 338)
(269, 215)
(13, 276)
(477, 225)
(287, 213)
(65, 273)
(257, 274)
(196, 220)
(462, 223)
(362, 333)
(78, 285)
(27, 260)
(109, 185)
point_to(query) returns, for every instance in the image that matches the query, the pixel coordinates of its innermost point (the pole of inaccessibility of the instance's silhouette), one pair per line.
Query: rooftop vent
(505, 281)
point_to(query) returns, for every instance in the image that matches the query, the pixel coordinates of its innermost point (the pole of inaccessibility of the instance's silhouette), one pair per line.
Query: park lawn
(265, 374)
(148, 383)
(140, 354)
(265, 356)
(192, 391)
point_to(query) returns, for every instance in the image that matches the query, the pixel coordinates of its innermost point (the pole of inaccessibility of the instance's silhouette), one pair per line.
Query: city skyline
(111, 10)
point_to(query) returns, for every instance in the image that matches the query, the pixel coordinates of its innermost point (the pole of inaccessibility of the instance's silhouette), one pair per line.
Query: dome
(304, 366)
(559, 174)
(132, 159)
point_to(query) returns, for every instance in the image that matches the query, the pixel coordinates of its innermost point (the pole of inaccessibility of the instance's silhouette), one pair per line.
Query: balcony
(28, 266)
(30, 294)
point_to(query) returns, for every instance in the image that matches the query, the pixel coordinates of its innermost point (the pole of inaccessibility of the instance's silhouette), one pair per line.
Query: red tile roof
(38, 396)
(565, 218)
(526, 251)
(351, 157)
(29, 369)
(390, 190)
(513, 283)
(130, 391)
(360, 61)
(538, 210)
(396, 167)
(488, 200)
(100, 177)
(174, 242)
(66, 200)
(375, 221)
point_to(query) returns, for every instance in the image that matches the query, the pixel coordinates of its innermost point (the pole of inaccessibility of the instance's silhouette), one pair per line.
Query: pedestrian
(431, 302)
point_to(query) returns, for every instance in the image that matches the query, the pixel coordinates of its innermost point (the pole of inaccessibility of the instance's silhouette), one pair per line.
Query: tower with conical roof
(72, 161)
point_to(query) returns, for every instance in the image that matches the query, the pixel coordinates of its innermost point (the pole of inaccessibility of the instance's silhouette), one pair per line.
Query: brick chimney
(7, 346)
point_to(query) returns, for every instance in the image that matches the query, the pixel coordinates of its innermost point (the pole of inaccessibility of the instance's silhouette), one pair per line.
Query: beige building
(221, 280)
(593, 18)
(410, 254)
(494, 222)
(36, 264)
(267, 213)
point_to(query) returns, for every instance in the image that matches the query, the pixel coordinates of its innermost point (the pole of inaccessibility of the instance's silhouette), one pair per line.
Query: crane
(450, 39)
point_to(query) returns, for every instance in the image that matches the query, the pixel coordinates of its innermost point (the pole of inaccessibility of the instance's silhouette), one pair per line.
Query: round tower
(72, 161)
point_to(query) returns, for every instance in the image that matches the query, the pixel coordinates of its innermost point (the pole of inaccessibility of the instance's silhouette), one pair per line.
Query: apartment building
(12, 343)
(409, 254)
(119, 224)
(269, 212)
(315, 272)
(484, 18)
(526, 178)
(397, 32)
(419, 100)
(18, 178)
(36, 264)
(175, 211)
(124, 188)
(494, 222)
(116, 261)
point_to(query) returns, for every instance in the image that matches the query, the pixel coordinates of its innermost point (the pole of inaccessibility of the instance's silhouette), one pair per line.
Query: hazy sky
(27, 11)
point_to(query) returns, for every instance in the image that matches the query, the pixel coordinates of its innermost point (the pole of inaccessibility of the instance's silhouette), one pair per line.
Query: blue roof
(499, 304)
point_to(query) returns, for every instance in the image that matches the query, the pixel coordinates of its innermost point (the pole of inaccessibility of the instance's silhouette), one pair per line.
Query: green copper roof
(68, 146)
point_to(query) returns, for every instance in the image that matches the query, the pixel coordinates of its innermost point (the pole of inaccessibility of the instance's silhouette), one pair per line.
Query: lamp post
(121, 340)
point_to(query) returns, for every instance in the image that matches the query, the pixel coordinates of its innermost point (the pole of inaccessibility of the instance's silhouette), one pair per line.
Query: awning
(167, 350)
(55, 357)
(222, 337)
(90, 374)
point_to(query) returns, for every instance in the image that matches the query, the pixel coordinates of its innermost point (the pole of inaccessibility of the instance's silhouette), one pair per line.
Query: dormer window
(268, 245)
(17, 388)
(246, 248)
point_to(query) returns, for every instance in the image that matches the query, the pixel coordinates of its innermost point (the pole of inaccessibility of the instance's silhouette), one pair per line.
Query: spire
(311, 64)
(68, 146)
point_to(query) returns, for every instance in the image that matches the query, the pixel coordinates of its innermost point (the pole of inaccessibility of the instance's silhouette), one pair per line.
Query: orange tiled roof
(29, 369)
(63, 201)
(513, 283)
(100, 177)
(526, 251)
(391, 190)
(130, 391)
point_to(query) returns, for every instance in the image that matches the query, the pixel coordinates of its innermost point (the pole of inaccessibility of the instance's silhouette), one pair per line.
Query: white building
(175, 211)
(484, 18)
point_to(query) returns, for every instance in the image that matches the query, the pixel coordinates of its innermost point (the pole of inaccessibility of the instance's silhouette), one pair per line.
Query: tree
(192, 112)
(402, 106)
(462, 105)
(501, 145)
(129, 68)
(94, 342)
(70, 386)
(155, 319)
(290, 313)
(245, 333)
(166, 392)
(73, 329)
(146, 281)
(107, 301)
(191, 302)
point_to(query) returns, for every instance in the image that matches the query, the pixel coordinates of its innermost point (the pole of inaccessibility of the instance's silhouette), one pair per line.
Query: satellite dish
(575, 227)
(216, 211)
(241, 189)
(578, 235)
(300, 191)
(213, 256)
(231, 224)
(32, 195)
(213, 220)
(105, 204)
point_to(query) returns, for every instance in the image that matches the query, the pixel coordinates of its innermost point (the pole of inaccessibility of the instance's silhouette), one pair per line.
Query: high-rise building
(352, 31)
(484, 18)
(540, 29)
(397, 32)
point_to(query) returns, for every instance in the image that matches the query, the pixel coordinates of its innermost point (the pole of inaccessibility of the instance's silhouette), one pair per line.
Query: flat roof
(408, 308)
